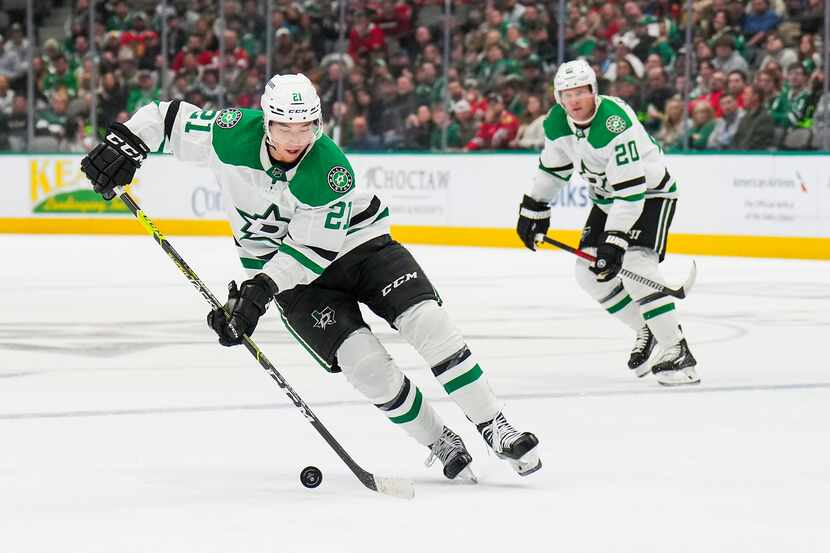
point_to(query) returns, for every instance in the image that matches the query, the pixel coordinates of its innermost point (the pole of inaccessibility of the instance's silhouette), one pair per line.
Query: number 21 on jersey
(339, 216)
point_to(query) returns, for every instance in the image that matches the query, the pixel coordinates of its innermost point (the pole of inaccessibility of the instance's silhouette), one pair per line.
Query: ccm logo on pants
(397, 282)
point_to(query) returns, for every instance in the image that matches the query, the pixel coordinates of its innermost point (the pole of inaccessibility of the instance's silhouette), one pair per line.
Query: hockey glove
(610, 255)
(534, 218)
(113, 162)
(246, 305)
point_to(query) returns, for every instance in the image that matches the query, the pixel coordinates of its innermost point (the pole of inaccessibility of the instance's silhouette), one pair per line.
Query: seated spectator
(717, 86)
(703, 123)
(361, 138)
(766, 82)
(145, 93)
(721, 28)
(60, 77)
(418, 129)
(794, 105)
(759, 22)
(12, 66)
(756, 131)
(365, 37)
(670, 133)
(443, 124)
(735, 84)
(465, 118)
(775, 51)
(52, 121)
(15, 125)
(531, 134)
(726, 58)
(657, 94)
(498, 129)
(725, 127)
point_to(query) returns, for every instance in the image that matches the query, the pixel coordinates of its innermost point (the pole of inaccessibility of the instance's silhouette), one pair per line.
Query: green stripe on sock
(464, 379)
(249, 263)
(620, 304)
(303, 260)
(632, 198)
(413, 412)
(659, 311)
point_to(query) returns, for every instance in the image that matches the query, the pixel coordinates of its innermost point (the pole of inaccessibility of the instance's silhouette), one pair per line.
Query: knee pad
(587, 280)
(427, 327)
(369, 367)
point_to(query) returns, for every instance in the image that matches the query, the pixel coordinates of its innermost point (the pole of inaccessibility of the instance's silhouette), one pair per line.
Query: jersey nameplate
(228, 118)
(339, 179)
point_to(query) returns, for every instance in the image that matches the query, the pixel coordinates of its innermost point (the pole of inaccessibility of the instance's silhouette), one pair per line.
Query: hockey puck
(311, 477)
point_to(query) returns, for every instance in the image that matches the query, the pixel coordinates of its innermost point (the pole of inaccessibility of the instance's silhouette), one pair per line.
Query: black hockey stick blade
(679, 293)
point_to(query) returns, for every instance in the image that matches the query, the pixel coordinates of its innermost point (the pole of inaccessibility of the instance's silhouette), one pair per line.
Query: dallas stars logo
(268, 227)
(323, 318)
(339, 178)
(228, 118)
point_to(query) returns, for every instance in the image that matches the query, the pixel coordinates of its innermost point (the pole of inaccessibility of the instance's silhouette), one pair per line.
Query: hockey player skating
(634, 198)
(317, 246)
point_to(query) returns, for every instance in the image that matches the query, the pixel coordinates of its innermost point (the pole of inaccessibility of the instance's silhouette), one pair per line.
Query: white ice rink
(125, 428)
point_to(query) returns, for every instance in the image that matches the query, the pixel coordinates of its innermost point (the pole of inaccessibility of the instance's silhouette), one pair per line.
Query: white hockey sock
(658, 310)
(370, 369)
(611, 295)
(428, 328)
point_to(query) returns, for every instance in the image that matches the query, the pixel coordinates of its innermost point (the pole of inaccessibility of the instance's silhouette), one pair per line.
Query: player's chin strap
(675, 292)
(397, 487)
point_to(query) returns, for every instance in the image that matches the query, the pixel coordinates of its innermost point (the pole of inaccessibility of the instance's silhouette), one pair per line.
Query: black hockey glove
(113, 162)
(610, 255)
(534, 218)
(246, 305)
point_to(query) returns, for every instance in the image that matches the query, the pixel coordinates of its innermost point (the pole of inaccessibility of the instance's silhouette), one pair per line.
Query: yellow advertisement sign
(57, 186)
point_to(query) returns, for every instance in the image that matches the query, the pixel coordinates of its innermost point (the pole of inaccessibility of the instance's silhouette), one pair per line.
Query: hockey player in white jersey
(316, 245)
(634, 198)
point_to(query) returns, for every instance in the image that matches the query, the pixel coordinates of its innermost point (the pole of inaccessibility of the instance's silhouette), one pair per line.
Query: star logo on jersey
(268, 227)
(323, 318)
(615, 124)
(340, 180)
(228, 118)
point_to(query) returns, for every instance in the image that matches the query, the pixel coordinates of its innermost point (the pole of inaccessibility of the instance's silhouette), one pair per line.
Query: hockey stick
(677, 293)
(397, 487)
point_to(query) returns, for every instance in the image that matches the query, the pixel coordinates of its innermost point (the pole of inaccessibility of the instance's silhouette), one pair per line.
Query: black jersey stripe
(628, 184)
(457, 358)
(328, 255)
(398, 400)
(170, 118)
(367, 213)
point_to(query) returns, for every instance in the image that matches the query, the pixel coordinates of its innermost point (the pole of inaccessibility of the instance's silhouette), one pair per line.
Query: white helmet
(573, 74)
(291, 99)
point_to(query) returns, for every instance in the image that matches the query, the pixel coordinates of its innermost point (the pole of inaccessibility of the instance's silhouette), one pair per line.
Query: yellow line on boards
(697, 244)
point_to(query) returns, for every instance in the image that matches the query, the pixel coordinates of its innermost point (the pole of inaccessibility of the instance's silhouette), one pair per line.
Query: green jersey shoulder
(324, 174)
(237, 137)
(610, 121)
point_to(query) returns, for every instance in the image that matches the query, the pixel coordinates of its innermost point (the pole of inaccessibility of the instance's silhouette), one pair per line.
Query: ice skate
(641, 352)
(676, 366)
(518, 448)
(450, 449)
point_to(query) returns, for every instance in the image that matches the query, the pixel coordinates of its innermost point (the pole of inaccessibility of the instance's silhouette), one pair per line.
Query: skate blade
(643, 370)
(683, 377)
(467, 475)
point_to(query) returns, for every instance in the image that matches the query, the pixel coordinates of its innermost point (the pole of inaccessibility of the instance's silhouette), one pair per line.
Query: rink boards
(762, 205)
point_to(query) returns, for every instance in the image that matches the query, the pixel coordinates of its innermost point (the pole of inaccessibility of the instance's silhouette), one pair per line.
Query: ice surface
(125, 428)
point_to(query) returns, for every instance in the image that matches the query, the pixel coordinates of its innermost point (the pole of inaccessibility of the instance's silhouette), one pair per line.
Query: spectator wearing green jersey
(794, 105)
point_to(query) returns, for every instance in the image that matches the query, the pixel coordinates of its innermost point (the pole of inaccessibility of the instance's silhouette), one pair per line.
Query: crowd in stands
(756, 67)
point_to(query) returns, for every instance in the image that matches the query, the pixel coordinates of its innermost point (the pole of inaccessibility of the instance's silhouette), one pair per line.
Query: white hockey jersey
(617, 157)
(289, 224)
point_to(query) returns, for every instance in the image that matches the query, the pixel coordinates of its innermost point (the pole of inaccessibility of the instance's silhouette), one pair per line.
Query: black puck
(311, 477)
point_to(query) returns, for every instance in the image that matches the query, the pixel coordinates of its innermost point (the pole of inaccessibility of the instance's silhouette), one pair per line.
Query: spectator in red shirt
(365, 37)
(498, 129)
